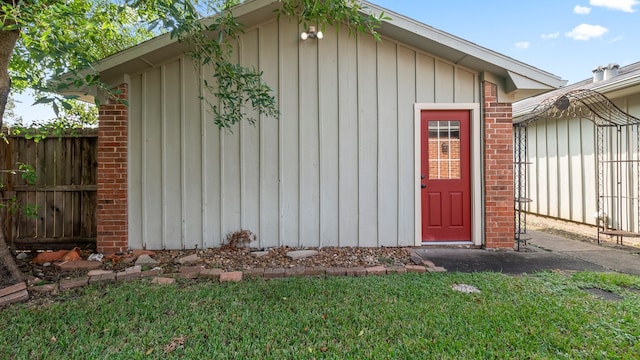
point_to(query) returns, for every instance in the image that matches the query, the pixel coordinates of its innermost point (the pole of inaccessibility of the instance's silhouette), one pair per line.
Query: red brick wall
(111, 213)
(498, 163)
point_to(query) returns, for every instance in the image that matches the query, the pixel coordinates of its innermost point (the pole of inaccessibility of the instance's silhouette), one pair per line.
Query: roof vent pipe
(611, 71)
(598, 74)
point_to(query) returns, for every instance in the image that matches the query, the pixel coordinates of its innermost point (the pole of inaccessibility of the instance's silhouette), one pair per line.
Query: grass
(542, 316)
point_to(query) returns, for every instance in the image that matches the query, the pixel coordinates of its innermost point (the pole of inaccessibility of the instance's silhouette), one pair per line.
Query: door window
(444, 149)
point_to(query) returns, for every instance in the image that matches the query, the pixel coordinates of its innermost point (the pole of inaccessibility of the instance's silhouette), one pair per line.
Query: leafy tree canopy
(57, 37)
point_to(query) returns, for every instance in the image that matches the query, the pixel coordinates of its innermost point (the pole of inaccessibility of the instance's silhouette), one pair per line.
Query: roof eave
(522, 80)
(151, 52)
(622, 86)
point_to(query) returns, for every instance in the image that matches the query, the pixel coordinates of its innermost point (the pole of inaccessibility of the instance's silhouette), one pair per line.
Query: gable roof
(627, 81)
(519, 78)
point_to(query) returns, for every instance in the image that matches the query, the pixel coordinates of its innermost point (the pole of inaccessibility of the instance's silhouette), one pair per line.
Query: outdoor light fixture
(311, 34)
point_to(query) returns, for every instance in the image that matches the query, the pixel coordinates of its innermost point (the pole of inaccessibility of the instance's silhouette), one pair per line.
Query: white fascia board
(519, 82)
(618, 85)
(135, 52)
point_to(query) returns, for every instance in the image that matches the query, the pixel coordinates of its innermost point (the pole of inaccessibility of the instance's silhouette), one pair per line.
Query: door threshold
(446, 243)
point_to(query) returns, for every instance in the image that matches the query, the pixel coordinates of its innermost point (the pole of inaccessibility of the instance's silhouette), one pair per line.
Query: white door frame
(476, 170)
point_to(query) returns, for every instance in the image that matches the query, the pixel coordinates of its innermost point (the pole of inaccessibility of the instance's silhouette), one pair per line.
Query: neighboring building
(348, 162)
(582, 144)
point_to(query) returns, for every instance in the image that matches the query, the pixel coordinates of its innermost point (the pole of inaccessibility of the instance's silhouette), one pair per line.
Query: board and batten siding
(562, 177)
(337, 168)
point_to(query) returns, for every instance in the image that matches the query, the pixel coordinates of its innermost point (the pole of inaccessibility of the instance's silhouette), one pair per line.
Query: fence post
(6, 191)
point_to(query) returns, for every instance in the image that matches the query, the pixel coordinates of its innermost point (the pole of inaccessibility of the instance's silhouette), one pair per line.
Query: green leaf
(43, 100)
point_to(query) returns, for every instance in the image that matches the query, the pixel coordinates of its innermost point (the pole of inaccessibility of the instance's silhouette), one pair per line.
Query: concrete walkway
(619, 259)
(543, 252)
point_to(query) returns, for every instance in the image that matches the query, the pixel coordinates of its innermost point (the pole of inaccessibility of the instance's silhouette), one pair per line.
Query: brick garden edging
(14, 293)
(199, 272)
(20, 292)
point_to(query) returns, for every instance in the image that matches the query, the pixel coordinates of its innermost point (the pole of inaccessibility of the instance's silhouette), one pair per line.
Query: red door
(445, 175)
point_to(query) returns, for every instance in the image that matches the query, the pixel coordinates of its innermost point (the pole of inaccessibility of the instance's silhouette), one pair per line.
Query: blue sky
(568, 38)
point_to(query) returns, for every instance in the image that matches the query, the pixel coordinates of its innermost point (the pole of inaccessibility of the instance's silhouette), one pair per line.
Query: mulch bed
(235, 259)
(227, 259)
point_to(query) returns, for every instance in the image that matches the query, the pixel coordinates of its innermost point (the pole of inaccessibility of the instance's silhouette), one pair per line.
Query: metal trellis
(617, 169)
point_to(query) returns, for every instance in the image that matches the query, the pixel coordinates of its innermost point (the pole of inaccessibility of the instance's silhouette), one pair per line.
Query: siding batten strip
(455, 84)
(546, 152)
(221, 184)
(143, 197)
(183, 159)
(280, 146)
(321, 163)
(339, 239)
(378, 154)
(359, 135)
(203, 163)
(221, 177)
(558, 171)
(261, 152)
(398, 142)
(300, 132)
(163, 152)
(583, 215)
(539, 149)
(241, 141)
(570, 168)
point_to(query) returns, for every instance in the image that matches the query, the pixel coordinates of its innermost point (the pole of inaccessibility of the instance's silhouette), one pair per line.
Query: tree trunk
(8, 41)
(6, 258)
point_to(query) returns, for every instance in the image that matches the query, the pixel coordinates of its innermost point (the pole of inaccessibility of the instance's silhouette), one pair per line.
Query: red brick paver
(376, 270)
(67, 284)
(233, 276)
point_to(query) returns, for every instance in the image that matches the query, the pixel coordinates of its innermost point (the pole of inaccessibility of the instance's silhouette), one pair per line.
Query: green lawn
(542, 316)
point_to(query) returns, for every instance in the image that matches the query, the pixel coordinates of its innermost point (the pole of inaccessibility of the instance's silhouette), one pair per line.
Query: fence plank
(65, 190)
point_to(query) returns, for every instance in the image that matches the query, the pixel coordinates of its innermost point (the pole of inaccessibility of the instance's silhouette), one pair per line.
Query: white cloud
(622, 5)
(550, 36)
(616, 39)
(523, 45)
(581, 10)
(586, 32)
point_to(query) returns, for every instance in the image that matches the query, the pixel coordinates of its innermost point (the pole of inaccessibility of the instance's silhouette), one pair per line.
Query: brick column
(498, 170)
(111, 213)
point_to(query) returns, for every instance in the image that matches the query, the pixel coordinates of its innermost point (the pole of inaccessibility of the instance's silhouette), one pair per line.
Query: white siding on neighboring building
(337, 168)
(562, 177)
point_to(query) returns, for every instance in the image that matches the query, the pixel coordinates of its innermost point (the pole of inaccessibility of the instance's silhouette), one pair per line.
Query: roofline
(527, 79)
(164, 40)
(469, 48)
(606, 88)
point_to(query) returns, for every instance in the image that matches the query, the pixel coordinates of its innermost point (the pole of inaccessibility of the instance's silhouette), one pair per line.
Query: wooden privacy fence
(63, 198)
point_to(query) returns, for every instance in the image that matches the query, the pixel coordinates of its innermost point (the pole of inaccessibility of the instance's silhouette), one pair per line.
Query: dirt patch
(603, 294)
(578, 231)
(633, 290)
